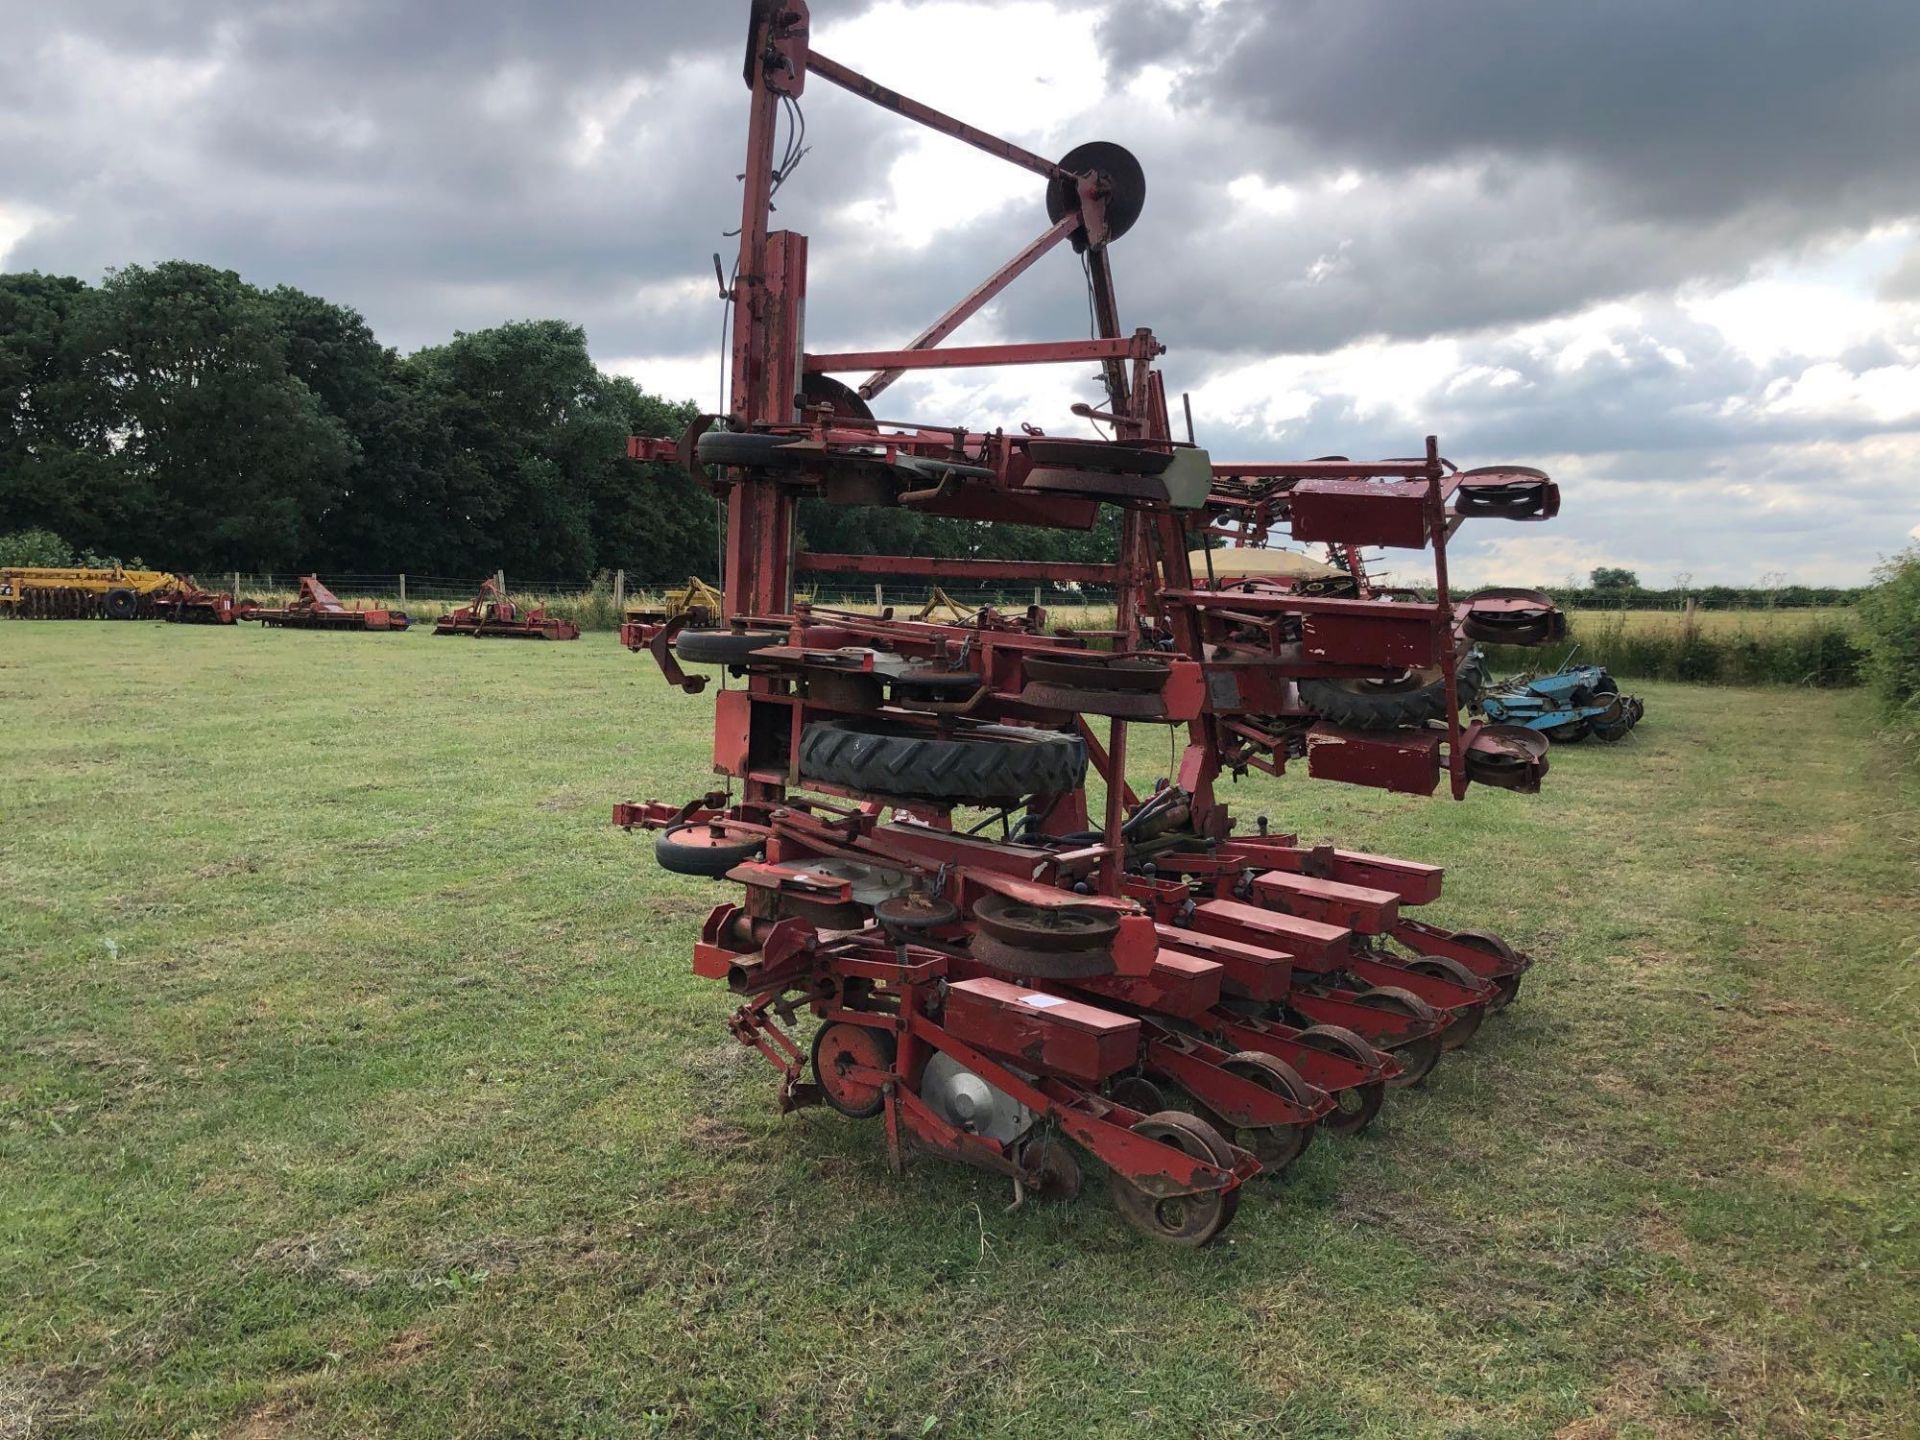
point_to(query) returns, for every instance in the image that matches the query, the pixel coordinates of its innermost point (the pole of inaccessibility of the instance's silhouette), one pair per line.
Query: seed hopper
(1006, 952)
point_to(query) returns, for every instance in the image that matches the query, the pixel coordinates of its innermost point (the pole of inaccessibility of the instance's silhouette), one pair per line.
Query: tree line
(178, 413)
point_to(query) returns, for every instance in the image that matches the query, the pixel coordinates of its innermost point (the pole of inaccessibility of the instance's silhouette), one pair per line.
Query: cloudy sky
(1667, 249)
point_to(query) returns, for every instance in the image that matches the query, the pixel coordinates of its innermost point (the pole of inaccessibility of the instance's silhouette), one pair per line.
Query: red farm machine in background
(1004, 951)
(490, 615)
(318, 608)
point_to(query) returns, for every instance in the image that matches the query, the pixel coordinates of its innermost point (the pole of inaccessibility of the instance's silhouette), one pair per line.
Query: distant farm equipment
(1571, 703)
(111, 593)
(318, 608)
(697, 605)
(490, 615)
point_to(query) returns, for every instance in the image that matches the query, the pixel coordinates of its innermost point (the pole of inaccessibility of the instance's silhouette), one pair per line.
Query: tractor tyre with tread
(990, 762)
(1406, 704)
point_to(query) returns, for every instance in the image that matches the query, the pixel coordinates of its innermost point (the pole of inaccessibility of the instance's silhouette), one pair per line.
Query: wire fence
(599, 604)
(392, 586)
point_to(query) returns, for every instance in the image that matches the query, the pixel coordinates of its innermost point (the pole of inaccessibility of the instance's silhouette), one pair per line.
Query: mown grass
(353, 1081)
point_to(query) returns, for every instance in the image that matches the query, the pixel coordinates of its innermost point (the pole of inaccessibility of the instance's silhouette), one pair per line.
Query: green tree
(1608, 577)
(1890, 627)
(34, 548)
(653, 521)
(237, 456)
(58, 464)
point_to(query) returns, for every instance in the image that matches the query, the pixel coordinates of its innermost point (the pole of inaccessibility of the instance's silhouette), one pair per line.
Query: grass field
(353, 1082)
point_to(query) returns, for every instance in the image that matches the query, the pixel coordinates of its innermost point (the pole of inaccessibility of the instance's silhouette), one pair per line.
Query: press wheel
(1417, 1057)
(1358, 1104)
(841, 1046)
(1506, 987)
(1048, 1168)
(1466, 1022)
(1189, 1221)
(1136, 1092)
(1276, 1146)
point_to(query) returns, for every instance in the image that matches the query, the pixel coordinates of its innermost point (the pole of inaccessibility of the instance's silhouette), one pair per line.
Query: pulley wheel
(1507, 757)
(839, 1047)
(1189, 1221)
(1614, 721)
(909, 917)
(1356, 1106)
(1046, 927)
(1126, 187)
(869, 884)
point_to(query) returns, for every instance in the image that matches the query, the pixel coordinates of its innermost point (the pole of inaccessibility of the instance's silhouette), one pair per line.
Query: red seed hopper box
(1041, 1032)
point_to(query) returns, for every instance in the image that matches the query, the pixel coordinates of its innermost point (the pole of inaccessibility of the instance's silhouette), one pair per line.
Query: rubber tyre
(722, 647)
(708, 861)
(1358, 705)
(992, 762)
(749, 450)
(122, 605)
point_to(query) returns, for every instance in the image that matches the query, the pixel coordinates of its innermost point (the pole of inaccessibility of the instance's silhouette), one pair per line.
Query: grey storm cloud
(1320, 172)
(1698, 109)
(1523, 159)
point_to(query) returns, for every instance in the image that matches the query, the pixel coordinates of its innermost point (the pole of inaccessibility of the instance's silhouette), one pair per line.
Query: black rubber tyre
(1405, 704)
(990, 762)
(722, 647)
(752, 450)
(122, 605)
(711, 858)
(1102, 455)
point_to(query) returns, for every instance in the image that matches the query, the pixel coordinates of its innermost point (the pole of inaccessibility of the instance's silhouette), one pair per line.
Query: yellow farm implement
(109, 593)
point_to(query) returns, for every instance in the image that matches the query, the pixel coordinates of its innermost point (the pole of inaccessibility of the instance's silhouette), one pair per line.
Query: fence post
(500, 581)
(403, 589)
(235, 592)
(620, 592)
(1036, 597)
(879, 598)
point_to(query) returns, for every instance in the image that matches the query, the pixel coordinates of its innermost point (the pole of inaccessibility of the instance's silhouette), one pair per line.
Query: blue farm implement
(1572, 703)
